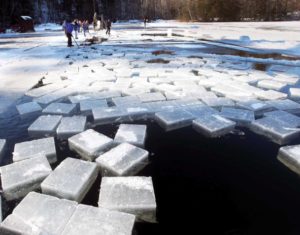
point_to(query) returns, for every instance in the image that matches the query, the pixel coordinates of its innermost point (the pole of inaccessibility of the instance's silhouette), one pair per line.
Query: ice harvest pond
(244, 76)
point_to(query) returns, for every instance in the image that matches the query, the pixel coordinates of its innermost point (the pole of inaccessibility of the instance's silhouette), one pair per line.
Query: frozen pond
(214, 109)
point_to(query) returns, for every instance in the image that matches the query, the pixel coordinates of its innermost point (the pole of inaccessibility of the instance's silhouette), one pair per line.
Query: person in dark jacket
(68, 31)
(108, 27)
(76, 28)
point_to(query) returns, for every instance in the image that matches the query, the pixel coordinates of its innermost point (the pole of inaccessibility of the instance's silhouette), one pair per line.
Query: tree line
(188, 10)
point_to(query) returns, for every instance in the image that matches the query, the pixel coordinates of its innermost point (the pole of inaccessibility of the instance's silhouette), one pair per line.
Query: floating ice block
(290, 119)
(172, 120)
(93, 96)
(123, 160)
(44, 126)
(199, 111)
(29, 108)
(39, 214)
(86, 106)
(119, 101)
(60, 109)
(285, 105)
(240, 116)
(257, 106)
(134, 195)
(270, 95)
(279, 132)
(218, 102)
(109, 115)
(290, 157)
(294, 93)
(29, 149)
(90, 144)
(270, 84)
(133, 134)
(151, 97)
(72, 179)
(20, 178)
(95, 221)
(70, 126)
(213, 125)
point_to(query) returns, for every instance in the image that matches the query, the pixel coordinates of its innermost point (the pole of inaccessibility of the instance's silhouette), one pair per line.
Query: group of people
(78, 26)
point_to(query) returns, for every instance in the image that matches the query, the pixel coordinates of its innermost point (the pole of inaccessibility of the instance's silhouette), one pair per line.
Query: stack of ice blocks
(70, 126)
(20, 178)
(123, 160)
(44, 126)
(133, 134)
(90, 144)
(134, 195)
(72, 179)
(290, 157)
(41, 147)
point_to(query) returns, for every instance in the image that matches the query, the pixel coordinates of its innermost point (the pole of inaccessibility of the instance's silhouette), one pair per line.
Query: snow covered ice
(42, 147)
(20, 178)
(60, 109)
(93, 221)
(89, 144)
(72, 179)
(70, 126)
(290, 157)
(213, 125)
(29, 108)
(39, 214)
(123, 160)
(134, 195)
(44, 126)
(133, 134)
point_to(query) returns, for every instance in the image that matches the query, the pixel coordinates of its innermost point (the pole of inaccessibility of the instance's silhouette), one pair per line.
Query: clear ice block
(72, 179)
(89, 144)
(133, 134)
(20, 178)
(29, 149)
(70, 126)
(44, 126)
(123, 160)
(134, 195)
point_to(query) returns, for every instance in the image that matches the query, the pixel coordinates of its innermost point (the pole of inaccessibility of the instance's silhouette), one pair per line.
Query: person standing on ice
(108, 27)
(85, 27)
(145, 21)
(95, 21)
(76, 28)
(68, 31)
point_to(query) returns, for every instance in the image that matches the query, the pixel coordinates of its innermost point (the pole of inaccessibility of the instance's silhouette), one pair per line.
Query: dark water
(230, 185)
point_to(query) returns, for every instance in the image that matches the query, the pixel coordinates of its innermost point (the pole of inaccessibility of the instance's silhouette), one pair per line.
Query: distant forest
(187, 10)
